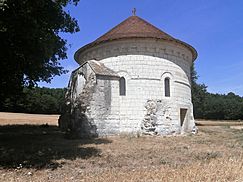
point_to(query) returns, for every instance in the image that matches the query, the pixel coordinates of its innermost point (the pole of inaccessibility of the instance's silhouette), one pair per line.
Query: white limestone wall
(145, 81)
(175, 52)
(104, 107)
(144, 64)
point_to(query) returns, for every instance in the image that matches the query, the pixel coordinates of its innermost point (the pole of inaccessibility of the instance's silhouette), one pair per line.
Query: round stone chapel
(135, 79)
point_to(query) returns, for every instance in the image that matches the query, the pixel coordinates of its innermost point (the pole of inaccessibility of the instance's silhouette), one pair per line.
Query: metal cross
(134, 12)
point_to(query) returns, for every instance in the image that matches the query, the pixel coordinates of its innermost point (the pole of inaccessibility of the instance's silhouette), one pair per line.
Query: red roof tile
(136, 27)
(133, 26)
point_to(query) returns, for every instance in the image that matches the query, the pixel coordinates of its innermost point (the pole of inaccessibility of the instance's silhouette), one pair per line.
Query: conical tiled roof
(136, 27)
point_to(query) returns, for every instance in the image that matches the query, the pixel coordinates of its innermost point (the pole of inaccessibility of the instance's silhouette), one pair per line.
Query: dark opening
(122, 86)
(183, 115)
(167, 87)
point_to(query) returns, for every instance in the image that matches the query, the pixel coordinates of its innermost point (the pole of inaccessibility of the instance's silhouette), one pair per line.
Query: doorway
(183, 113)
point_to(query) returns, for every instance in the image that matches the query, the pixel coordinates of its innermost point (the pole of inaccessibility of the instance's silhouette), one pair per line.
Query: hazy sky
(213, 27)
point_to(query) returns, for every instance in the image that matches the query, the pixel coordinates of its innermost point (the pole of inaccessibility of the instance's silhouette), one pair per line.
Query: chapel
(134, 79)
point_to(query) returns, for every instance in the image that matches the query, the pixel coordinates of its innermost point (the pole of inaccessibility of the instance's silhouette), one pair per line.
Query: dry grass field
(31, 151)
(7, 118)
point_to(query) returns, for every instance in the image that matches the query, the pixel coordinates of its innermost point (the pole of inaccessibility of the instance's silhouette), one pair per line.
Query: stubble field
(31, 150)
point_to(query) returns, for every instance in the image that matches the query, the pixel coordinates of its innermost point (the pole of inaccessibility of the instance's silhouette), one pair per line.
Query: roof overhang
(95, 43)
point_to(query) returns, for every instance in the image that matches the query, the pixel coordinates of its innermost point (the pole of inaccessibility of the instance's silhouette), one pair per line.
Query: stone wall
(77, 116)
(88, 104)
(145, 81)
(144, 109)
(177, 53)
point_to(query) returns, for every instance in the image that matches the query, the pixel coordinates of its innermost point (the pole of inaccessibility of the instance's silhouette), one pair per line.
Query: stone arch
(167, 86)
(122, 86)
(126, 77)
(167, 80)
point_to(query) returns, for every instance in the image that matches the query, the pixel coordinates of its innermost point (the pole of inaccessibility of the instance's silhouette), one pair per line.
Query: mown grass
(215, 154)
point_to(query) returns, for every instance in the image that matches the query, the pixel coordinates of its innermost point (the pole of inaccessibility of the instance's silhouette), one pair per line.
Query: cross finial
(134, 12)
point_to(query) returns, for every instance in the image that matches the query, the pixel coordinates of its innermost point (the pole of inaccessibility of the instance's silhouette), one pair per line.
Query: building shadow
(40, 146)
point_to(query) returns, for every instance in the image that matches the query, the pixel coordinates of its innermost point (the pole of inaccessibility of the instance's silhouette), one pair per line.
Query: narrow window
(122, 86)
(167, 87)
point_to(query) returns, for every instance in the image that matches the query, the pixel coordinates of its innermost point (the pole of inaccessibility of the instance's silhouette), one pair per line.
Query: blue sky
(213, 27)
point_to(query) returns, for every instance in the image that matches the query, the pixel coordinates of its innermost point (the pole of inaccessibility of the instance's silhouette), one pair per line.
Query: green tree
(214, 106)
(220, 106)
(38, 100)
(199, 93)
(31, 47)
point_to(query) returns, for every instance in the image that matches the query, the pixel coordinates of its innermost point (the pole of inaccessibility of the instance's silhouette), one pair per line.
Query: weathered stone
(94, 106)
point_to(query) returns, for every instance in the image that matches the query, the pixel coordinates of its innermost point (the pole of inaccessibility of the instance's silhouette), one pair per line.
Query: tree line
(36, 101)
(217, 106)
(214, 106)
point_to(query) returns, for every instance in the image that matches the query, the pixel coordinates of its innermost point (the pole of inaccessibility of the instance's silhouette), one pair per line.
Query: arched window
(167, 87)
(122, 86)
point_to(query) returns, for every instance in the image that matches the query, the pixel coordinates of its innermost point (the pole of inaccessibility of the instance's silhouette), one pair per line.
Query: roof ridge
(114, 28)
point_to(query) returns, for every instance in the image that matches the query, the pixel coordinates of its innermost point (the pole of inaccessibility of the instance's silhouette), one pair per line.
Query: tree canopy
(38, 101)
(31, 47)
(214, 106)
(199, 92)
